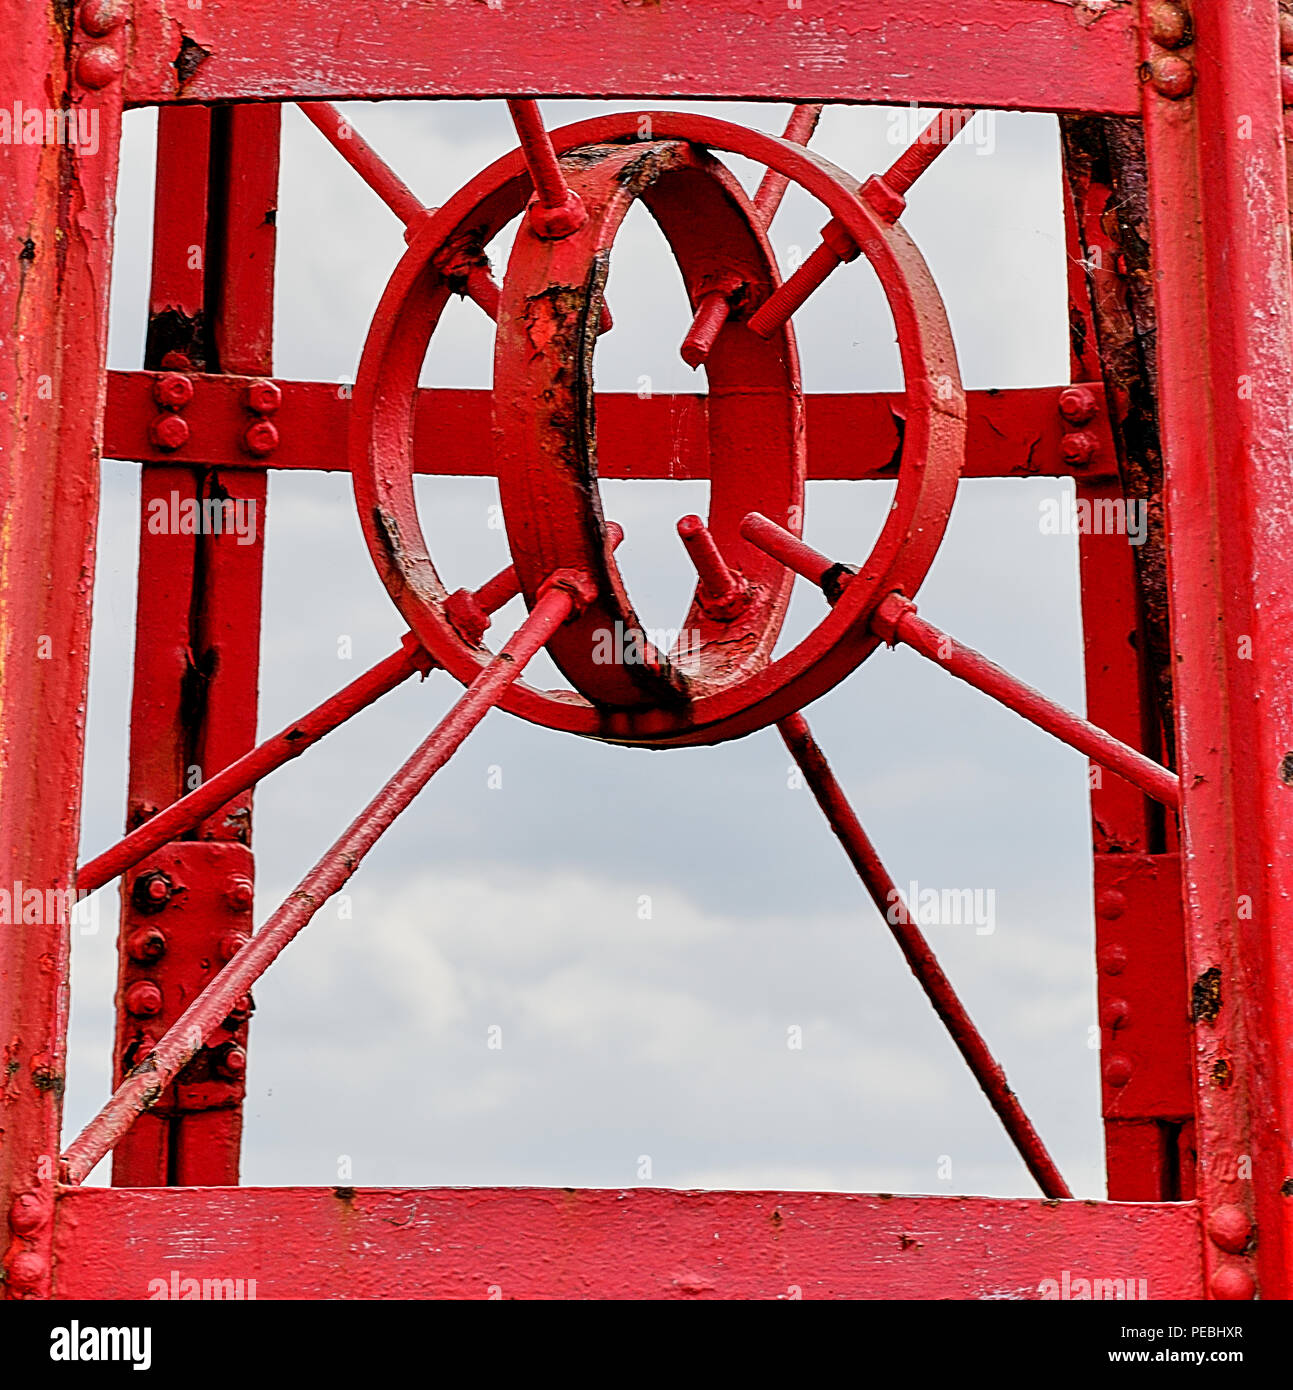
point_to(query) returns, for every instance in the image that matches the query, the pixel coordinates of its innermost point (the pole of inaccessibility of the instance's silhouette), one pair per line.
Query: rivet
(169, 431)
(146, 945)
(1111, 903)
(1172, 77)
(1232, 1284)
(100, 17)
(1113, 960)
(1115, 1012)
(28, 1213)
(1230, 1228)
(261, 438)
(240, 893)
(231, 943)
(172, 390)
(98, 66)
(143, 999)
(1118, 1070)
(26, 1270)
(1169, 25)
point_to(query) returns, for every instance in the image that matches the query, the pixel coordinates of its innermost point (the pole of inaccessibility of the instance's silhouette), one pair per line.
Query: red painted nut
(100, 17)
(169, 431)
(1077, 448)
(98, 66)
(1077, 405)
(264, 397)
(553, 223)
(172, 390)
(1172, 77)
(156, 888)
(234, 1062)
(261, 438)
(143, 999)
(145, 945)
(240, 893)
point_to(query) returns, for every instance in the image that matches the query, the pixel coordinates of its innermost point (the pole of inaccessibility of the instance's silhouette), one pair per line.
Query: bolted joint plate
(201, 919)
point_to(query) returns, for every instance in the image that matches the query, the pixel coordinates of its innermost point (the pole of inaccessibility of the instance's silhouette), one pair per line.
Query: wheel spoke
(920, 957)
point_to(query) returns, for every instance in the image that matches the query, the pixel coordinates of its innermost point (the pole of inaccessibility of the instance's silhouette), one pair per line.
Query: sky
(570, 964)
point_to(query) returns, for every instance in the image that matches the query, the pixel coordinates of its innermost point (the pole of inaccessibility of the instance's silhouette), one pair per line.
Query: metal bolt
(98, 66)
(1111, 903)
(152, 891)
(1230, 1228)
(240, 893)
(28, 1213)
(231, 943)
(264, 397)
(145, 945)
(1118, 1070)
(1172, 77)
(143, 999)
(1077, 448)
(169, 431)
(100, 17)
(1169, 25)
(1077, 405)
(172, 390)
(234, 1063)
(261, 438)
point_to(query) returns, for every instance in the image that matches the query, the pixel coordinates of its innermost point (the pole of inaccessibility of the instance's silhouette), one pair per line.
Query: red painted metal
(1193, 963)
(638, 1243)
(922, 960)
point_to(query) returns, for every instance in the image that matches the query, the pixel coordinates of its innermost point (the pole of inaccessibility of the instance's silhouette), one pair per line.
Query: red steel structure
(1177, 207)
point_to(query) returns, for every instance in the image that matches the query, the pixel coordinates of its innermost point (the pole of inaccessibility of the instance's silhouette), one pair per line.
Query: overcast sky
(517, 907)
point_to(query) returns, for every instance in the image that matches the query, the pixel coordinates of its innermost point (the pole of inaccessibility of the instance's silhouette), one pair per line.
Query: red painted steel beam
(1015, 433)
(938, 989)
(645, 1243)
(184, 1039)
(1219, 226)
(57, 198)
(1008, 54)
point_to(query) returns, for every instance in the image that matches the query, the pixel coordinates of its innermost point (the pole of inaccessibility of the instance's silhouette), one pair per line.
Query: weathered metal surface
(634, 1243)
(1049, 55)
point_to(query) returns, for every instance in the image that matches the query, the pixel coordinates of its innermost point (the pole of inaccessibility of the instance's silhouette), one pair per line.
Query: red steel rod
(886, 193)
(481, 287)
(713, 309)
(185, 1037)
(896, 621)
(285, 745)
(924, 964)
(559, 209)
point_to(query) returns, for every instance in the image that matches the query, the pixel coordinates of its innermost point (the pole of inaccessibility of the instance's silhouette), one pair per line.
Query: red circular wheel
(709, 697)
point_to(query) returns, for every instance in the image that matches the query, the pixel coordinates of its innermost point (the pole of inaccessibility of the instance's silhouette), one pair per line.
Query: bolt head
(145, 945)
(1172, 77)
(100, 17)
(264, 397)
(1118, 1070)
(1077, 405)
(240, 893)
(552, 223)
(143, 999)
(1230, 1228)
(28, 1213)
(1077, 448)
(157, 889)
(261, 438)
(1169, 27)
(234, 1063)
(98, 66)
(1232, 1284)
(231, 943)
(173, 390)
(169, 431)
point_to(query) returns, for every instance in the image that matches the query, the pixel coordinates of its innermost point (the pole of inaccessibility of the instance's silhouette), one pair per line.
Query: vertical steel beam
(57, 198)
(1219, 225)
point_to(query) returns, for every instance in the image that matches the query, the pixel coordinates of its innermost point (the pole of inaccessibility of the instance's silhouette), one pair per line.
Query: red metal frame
(1194, 966)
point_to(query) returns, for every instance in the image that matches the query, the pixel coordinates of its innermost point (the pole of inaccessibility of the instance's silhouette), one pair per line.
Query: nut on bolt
(240, 893)
(264, 397)
(1077, 448)
(143, 999)
(234, 1063)
(231, 943)
(172, 390)
(169, 431)
(261, 438)
(1077, 405)
(146, 945)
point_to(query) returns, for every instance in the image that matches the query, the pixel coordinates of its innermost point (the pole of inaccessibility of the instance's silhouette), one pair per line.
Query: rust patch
(1205, 996)
(189, 59)
(909, 1242)
(1286, 769)
(1286, 1188)
(1222, 1073)
(344, 1194)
